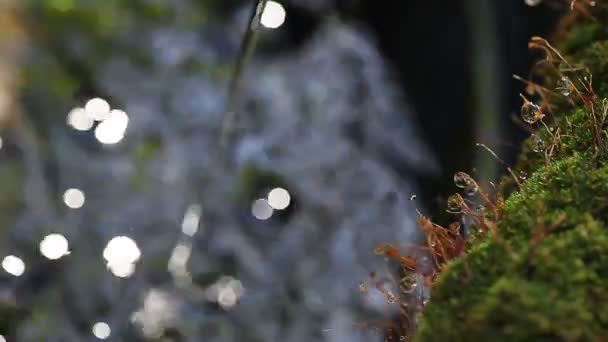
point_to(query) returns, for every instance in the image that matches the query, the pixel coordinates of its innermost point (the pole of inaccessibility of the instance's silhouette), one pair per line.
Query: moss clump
(543, 275)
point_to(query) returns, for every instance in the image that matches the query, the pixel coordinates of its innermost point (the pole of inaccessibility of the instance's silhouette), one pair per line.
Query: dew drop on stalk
(455, 204)
(363, 287)
(538, 145)
(462, 179)
(531, 112)
(564, 86)
(471, 189)
(523, 175)
(408, 283)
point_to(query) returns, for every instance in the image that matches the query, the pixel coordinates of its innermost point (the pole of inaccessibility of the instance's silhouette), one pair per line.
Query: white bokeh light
(261, 210)
(273, 16)
(179, 257)
(122, 270)
(227, 297)
(160, 310)
(2, 339)
(101, 330)
(279, 198)
(226, 292)
(112, 129)
(54, 246)
(80, 120)
(13, 265)
(120, 254)
(192, 219)
(73, 198)
(118, 119)
(98, 109)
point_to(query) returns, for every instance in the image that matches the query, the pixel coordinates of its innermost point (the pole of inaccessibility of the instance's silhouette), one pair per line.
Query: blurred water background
(124, 217)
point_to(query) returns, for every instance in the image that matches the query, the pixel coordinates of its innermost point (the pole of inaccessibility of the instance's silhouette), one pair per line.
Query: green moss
(581, 36)
(544, 275)
(509, 292)
(593, 57)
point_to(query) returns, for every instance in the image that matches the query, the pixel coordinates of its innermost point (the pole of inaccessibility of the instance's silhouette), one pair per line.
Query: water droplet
(462, 179)
(471, 189)
(523, 175)
(564, 86)
(531, 112)
(412, 197)
(363, 287)
(538, 145)
(455, 204)
(425, 302)
(379, 251)
(408, 283)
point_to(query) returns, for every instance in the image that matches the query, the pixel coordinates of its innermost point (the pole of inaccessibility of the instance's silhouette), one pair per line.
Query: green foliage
(544, 275)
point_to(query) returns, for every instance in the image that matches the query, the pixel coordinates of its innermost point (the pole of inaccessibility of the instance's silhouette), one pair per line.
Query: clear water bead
(564, 86)
(462, 179)
(471, 189)
(531, 112)
(537, 143)
(455, 204)
(523, 175)
(408, 283)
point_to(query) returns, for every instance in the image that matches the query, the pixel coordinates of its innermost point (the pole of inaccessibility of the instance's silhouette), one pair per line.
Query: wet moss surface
(543, 275)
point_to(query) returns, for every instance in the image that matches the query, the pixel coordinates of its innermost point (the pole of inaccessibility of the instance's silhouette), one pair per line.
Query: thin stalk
(485, 62)
(247, 49)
